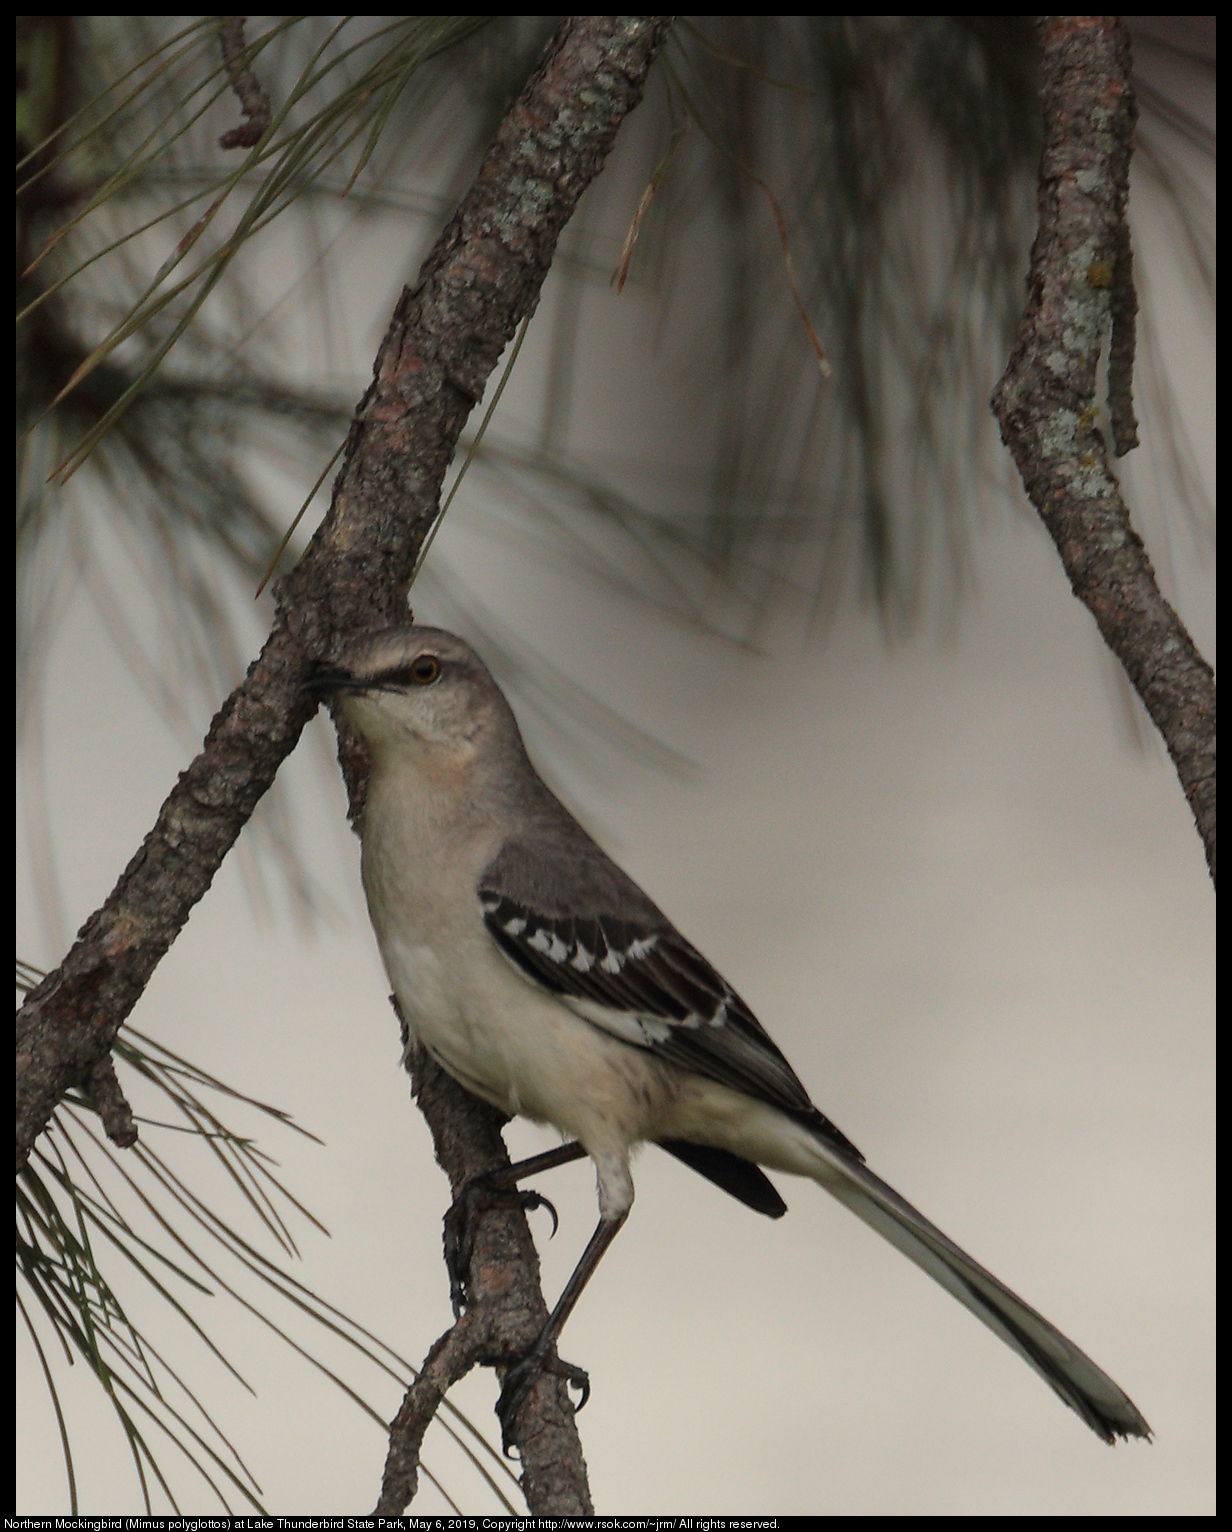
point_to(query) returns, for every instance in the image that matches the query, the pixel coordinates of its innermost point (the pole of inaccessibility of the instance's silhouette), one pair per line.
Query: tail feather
(1086, 1388)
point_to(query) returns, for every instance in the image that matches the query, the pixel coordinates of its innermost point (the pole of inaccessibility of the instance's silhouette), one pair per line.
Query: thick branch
(483, 276)
(1080, 284)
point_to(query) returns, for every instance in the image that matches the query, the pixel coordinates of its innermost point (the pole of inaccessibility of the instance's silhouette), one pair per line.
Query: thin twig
(111, 1104)
(1080, 286)
(254, 103)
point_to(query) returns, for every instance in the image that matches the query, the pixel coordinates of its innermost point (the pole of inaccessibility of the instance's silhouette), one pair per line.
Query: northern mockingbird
(543, 979)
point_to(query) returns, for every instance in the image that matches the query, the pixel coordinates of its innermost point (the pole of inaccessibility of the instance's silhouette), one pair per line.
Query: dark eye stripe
(405, 675)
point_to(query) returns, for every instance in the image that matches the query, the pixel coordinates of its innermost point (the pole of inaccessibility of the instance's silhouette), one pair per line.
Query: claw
(578, 1376)
(473, 1199)
(533, 1200)
(519, 1381)
(459, 1245)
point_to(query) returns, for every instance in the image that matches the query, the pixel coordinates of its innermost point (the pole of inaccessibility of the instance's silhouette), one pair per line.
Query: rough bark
(1080, 288)
(447, 333)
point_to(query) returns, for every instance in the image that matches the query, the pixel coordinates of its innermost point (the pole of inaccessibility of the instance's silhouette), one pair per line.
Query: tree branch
(1081, 284)
(504, 1315)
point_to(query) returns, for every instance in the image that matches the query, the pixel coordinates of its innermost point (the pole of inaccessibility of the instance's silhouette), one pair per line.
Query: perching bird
(543, 979)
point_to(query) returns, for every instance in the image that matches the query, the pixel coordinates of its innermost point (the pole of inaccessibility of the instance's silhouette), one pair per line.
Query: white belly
(515, 1046)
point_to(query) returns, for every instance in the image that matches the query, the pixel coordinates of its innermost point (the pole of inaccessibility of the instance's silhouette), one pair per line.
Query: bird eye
(425, 670)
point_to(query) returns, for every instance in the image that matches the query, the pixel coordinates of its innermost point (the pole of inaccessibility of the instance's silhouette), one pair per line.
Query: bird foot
(520, 1379)
(476, 1197)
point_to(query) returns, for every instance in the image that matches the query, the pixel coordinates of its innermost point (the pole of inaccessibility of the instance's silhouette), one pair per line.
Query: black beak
(326, 681)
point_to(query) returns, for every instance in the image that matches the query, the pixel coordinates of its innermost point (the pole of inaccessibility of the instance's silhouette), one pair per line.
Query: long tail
(1088, 1390)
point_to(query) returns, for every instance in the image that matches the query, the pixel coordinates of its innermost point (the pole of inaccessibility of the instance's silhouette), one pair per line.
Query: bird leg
(541, 1356)
(490, 1189)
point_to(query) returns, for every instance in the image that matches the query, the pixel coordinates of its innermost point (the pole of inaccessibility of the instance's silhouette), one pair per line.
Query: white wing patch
(629, 1026)
(549, 943)
(617, 957)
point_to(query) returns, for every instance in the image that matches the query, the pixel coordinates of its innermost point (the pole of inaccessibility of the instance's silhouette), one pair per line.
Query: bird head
(411, 691)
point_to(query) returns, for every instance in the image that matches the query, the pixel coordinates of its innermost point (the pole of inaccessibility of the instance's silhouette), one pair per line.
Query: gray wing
(573, 922)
